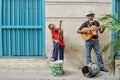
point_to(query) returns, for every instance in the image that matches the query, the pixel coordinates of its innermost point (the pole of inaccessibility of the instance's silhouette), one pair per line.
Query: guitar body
(93, 31)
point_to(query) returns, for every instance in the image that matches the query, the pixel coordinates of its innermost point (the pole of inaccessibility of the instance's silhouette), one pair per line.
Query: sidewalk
(34, 74)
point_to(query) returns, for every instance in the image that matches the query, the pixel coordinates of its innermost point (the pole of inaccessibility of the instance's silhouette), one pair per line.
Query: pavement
(35, 74)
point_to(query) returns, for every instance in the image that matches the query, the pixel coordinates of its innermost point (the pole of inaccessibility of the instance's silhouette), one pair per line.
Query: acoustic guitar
(93, 31)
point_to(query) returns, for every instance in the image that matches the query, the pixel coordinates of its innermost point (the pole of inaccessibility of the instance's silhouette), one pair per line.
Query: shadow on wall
(74, 55)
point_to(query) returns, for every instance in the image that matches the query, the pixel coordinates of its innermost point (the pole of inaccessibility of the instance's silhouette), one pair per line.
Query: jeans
(57, 52)
(96, 46)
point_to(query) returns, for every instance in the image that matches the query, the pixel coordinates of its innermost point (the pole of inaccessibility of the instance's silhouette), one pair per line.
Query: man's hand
(83, 32)
(88, 32)
(57, 41)
(61, 31)
(101, 30)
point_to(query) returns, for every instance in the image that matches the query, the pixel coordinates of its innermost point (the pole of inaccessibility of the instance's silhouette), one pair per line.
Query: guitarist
(94, 41)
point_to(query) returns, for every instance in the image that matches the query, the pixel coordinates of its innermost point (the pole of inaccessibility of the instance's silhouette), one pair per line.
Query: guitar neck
(94, 28)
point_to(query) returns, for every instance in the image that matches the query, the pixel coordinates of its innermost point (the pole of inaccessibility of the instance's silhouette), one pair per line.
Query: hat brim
(90, 14)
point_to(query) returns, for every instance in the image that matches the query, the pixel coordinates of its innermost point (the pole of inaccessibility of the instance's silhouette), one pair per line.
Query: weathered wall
(72, 12)
(73, 15)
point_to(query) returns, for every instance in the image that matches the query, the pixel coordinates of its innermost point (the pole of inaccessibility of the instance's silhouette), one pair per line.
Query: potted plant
(112, 22)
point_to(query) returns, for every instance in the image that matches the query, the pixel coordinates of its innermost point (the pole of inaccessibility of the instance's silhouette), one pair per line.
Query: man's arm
(54, 40)
(101, 30)
(57, 41)
(82, 32)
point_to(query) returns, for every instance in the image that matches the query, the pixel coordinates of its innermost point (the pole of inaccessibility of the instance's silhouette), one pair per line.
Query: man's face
(90, 16)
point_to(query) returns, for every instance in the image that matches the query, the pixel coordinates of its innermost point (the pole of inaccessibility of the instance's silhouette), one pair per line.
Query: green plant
(112, 48)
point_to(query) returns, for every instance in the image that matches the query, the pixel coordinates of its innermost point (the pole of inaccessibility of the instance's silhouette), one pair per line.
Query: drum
(90, 70)
(57, 67)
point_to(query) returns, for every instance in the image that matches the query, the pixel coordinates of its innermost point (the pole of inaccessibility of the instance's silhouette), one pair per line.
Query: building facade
(72, 12)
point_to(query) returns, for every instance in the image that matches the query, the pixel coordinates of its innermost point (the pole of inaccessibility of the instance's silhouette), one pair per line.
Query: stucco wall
(73, 15)
(72, 12)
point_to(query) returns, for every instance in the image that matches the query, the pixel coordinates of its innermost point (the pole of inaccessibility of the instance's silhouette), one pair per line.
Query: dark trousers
(58, 52)
(96, 46)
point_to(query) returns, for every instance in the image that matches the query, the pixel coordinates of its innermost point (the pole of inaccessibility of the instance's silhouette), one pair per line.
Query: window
(22, 28)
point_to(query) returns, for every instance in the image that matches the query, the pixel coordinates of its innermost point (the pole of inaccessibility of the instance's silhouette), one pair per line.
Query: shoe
(104, 70)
